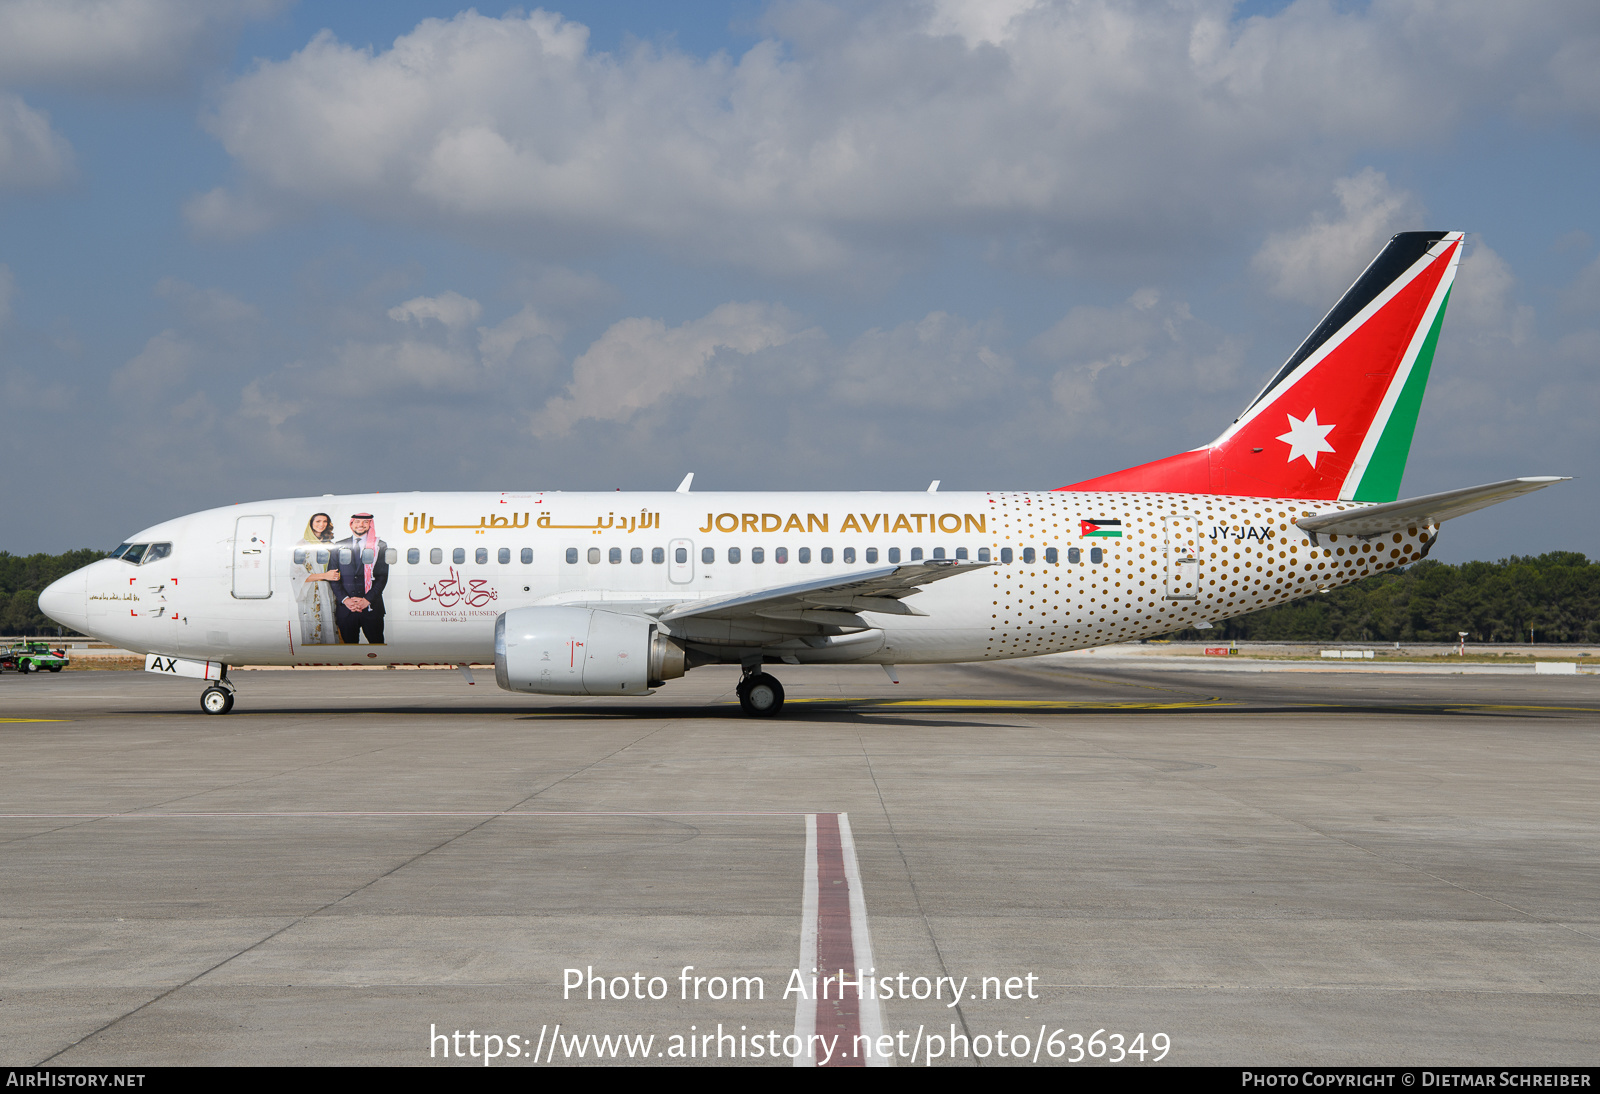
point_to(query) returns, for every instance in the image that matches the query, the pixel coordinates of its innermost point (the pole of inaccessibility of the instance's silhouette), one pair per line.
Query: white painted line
(871, 1012)
(805, 1009)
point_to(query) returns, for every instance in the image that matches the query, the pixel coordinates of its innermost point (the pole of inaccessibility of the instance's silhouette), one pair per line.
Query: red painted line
(838, 1010)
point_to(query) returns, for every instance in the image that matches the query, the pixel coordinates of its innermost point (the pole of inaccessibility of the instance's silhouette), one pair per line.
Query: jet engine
(582, 651)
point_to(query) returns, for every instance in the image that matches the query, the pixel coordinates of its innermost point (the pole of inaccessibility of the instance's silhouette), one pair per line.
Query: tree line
(21, 578)
(1556, 594)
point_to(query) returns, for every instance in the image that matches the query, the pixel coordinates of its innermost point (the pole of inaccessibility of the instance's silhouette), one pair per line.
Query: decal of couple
(338, 586)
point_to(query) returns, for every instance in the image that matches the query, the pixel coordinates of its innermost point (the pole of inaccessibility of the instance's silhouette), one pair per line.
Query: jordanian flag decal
(1112, 529)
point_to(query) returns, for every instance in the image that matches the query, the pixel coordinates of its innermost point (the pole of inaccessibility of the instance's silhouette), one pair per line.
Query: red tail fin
(1336, 421)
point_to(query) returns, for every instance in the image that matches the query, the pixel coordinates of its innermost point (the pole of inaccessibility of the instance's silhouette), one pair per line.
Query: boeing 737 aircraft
(615, 594)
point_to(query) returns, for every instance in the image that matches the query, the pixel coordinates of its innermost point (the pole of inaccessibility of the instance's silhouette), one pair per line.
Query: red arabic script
(451, 591)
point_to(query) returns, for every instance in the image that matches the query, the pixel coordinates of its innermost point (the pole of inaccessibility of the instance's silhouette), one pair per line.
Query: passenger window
(894, 554)
(594, 556)
(344, 556)
(961, 552)
(323, 557)
(938, 552)
(916, 554)
(1050, 556)
(872, 554)
(733, 556)
(572, 556)
(615, 556)
(636, 555)
(758, 555)
(459, 555)
(804, 556)
(848, 555)
(503, 556)
(1096, 555)
(481, 556)
(682, 555)
(391, 556)
(299, 556)
(658, 555)
(413, 556)
(527, 556)
(436, 556)
(780, 555)
(1006, 555)
(827, 556)
(368, 556)
(1074, 555)
(983, 554)
(707, 555)
(1028, 555)
(157, 550)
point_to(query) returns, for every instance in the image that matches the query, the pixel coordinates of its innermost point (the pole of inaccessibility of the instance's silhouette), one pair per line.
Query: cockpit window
(157, 550)
(121, 548)
(134, 553)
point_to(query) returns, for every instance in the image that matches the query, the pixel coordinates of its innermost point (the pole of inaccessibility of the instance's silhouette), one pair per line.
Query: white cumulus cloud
(638, 362)
(107, 45)
(1315, 263)
(32, 154)
(449, 308)
(1062, 131)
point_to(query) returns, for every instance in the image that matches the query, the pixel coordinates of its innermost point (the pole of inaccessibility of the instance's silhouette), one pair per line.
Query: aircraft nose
(67, 601)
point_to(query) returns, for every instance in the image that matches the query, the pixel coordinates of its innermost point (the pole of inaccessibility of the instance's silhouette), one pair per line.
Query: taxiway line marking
(357, 815)
(1216, 703)
(11, 720)
(836, 945)
(838, 1015)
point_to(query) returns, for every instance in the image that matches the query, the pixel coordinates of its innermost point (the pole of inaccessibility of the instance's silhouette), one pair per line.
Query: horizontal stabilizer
(1374, 520)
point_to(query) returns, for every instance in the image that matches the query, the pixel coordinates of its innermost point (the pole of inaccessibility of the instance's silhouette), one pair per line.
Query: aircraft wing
(1373, 520)
(881, 589)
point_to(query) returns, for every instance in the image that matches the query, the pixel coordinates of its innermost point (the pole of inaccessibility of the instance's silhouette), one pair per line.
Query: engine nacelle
(582, 651)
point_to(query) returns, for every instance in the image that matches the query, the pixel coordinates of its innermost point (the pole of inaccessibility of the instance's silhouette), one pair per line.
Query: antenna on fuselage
(683, 487)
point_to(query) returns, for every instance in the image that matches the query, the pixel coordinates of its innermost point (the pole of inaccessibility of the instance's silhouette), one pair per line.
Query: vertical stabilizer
(1336, 421)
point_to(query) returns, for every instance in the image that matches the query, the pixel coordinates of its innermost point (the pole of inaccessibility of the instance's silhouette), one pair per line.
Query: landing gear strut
(218, 698)
(760, 695)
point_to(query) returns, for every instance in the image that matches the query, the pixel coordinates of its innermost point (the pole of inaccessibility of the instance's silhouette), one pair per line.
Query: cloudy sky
(250, 248)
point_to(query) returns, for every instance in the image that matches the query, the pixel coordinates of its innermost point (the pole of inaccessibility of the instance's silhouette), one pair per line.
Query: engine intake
(582, 651)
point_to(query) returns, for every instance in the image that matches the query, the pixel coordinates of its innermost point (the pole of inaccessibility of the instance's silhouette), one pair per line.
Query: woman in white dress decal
(313, 569)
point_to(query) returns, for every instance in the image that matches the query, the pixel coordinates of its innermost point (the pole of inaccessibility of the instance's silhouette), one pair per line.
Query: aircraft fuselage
(1068, 570)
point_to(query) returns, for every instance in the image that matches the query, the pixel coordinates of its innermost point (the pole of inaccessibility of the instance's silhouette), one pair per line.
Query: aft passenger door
(252, 558)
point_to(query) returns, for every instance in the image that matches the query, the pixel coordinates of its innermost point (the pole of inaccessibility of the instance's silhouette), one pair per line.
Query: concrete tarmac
(1266, 868)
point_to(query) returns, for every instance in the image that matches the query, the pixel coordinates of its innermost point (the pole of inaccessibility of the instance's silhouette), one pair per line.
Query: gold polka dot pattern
(1247, 552)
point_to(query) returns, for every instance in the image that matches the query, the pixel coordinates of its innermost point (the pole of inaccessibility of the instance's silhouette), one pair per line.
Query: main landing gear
(760, 695)
(218, 698)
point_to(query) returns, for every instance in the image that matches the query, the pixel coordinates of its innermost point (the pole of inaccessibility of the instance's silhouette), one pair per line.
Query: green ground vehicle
(26, 657)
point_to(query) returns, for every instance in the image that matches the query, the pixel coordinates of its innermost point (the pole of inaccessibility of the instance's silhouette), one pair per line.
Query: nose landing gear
(760, 695)
(218, 698)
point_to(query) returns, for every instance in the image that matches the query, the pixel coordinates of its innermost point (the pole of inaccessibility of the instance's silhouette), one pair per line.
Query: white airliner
(614, 594)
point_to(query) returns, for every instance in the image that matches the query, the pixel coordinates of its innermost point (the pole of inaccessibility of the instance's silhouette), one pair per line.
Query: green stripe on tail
(1381, 482)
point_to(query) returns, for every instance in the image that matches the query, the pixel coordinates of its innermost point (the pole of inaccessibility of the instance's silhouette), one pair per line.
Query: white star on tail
(1307, 438)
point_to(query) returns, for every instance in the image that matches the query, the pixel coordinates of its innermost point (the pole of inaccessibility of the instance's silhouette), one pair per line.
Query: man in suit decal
(358, 591)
